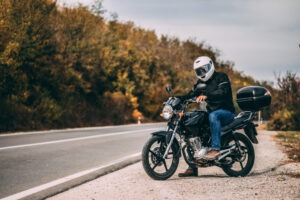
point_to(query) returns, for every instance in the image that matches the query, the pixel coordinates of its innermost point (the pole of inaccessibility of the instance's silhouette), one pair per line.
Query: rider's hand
(201, 98)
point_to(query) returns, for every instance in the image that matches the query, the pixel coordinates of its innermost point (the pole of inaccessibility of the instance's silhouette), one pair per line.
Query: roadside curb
(85, 178)
(69, 182)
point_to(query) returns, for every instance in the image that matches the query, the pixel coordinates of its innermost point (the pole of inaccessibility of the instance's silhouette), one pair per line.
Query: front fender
(167, 135)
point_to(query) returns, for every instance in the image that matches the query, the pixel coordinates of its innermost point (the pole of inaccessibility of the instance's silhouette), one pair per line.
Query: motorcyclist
(218, 96)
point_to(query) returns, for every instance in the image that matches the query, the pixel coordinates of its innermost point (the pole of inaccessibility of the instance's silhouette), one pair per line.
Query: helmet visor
(202, 71)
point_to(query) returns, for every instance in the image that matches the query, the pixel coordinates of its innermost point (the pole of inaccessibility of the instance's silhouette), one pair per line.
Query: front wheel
(242, 157)
(152, 157)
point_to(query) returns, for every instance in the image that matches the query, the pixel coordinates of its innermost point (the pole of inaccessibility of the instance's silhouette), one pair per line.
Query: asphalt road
(28, 160)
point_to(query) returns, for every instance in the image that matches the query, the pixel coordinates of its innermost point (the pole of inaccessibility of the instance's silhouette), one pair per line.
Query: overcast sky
(261, 37)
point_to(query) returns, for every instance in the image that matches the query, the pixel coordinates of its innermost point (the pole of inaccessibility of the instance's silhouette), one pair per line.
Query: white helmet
(204, 68)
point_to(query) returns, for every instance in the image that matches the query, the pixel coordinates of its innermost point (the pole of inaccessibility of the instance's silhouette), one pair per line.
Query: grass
(291, 141)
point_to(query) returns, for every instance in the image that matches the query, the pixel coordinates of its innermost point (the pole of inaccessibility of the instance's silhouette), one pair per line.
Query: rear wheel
(242, 157)
(152, 157)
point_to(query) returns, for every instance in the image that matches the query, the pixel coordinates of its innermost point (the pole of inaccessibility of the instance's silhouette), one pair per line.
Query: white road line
(74, 129)
(77, 139)
(34, 190)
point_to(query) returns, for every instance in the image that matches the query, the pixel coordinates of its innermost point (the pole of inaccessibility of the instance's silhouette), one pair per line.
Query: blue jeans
(217, 119)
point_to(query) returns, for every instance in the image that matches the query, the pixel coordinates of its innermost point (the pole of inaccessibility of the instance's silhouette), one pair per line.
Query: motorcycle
(188, 134)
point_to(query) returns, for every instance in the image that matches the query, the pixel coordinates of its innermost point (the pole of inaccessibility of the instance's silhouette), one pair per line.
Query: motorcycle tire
(154, 165)
(242, 157)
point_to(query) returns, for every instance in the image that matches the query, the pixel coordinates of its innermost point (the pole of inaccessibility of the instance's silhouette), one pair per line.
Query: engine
(199, 149)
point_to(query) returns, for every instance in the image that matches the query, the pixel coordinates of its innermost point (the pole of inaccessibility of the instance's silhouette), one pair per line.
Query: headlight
(167, 112)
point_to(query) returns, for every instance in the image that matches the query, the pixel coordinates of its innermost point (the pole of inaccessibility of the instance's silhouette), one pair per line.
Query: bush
(287, 116)
(285, 119)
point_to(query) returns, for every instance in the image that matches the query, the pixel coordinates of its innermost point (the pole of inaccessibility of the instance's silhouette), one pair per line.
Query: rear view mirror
(168, 88)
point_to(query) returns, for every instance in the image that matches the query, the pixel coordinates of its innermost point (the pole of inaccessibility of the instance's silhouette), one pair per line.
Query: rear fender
(251, 132)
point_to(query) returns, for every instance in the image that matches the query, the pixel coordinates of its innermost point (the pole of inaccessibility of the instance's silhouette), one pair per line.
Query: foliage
(287, 113)
(69, 67)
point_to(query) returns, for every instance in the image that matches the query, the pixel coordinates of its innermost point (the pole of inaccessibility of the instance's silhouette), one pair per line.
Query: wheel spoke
(170, 155)
(245, 149)
(165, 164)
(161, 146)
(155, 165)
(241, 163)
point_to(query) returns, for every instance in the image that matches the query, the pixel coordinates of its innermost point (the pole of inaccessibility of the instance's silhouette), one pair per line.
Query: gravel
(272, 177)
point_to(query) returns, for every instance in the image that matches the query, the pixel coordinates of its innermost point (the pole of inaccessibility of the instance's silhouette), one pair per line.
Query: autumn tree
(25, 65)
(287, 113)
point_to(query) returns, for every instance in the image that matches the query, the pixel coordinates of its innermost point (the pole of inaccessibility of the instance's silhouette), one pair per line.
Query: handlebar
(188, 101)
(202, 104)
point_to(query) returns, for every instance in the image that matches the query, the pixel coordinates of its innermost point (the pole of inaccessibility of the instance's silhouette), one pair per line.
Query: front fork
(172, 139)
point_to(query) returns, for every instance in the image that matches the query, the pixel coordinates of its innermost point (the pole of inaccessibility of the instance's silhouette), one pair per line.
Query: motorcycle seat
(237, 123)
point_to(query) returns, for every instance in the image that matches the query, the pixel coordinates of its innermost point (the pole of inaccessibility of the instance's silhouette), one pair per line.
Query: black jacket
(218, 92)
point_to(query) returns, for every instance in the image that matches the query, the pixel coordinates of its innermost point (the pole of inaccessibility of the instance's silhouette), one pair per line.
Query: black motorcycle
(188, 134)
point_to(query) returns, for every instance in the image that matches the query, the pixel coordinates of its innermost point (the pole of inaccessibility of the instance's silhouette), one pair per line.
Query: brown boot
(212, 155)
(189, 172)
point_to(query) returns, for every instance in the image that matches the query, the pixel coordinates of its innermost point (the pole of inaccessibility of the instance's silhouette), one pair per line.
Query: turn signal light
(180, 114)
